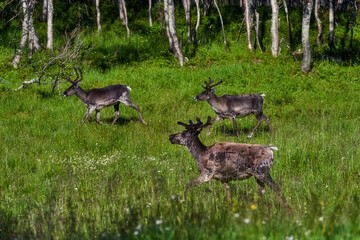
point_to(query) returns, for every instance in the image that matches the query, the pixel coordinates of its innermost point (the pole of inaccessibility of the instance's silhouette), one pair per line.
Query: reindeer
(227, 161)
(98, 98)
(229, 106)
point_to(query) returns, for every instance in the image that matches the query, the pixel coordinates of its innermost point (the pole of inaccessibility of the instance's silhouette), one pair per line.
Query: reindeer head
(192, 130)
(209, 90)
(75, 84)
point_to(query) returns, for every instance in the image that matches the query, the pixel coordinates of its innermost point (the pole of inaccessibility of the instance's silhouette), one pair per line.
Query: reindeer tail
(129, 88)
(273, 147)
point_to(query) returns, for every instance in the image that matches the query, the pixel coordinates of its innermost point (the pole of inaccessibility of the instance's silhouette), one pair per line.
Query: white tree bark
(257, 29)
(150, 18)
(98, 14)
(197, 20)
(320, 29)
(249, 19)
(331, 23)
(44, 10)
(275, 28)
(28, 31)
(288, 21)
(306, 61)
(34, 43)
(166, 16)
(222, 25)
(123, 15)
(24, 35)
(121, 12)
(171, 26)
(187, 6)
(50, 13)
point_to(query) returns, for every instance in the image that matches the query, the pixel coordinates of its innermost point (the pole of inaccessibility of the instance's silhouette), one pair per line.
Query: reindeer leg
(227, 190)
(233, 119)
(266, 178)
(267, 121)
(259, 120)
(129, 103)
(216, 119)
(98, 116)
(261, 187)
(89, 111)
(204, 177)
(117, 114)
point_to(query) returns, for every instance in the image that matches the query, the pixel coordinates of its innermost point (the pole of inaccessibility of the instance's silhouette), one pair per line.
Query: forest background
(62, 180)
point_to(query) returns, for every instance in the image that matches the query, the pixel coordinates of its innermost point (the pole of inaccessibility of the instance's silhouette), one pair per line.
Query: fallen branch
(293, 53)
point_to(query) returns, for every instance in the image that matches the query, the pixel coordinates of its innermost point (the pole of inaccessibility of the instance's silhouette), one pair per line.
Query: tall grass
(63, 180)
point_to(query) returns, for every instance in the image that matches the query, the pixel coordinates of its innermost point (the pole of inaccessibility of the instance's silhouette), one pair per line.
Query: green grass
(62, 180)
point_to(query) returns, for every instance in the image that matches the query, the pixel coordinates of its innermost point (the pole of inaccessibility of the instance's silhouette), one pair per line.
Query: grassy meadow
(62, 180)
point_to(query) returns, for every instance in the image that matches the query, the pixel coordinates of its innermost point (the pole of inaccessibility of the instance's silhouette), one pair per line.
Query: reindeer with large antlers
(229, 106)
(98, 98)
(227, 161)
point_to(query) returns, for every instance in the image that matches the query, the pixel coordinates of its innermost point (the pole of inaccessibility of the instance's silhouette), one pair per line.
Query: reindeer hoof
(250, 135)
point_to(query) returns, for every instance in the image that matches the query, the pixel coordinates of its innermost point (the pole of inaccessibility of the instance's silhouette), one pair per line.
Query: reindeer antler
(196, 126)
(208, 84)
(77, 77)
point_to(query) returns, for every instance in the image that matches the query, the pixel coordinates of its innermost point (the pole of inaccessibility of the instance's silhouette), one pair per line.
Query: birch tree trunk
(44, 11)
(288, 21)
(123, 15)
(257, 29)
(275, 28)
(25, 33)
(171, 26)
(50, 13)
(197, 20)
(320, 29)
(249, 19)
(186, 4)
(166, 15)
(121, 12)
(98, 21)
(306, 61)
(331, 23)
(28, 31)
(222, 25)
(34, 43)
(150, 18)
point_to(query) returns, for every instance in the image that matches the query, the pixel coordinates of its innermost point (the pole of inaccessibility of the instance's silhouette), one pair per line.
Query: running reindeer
(98, 98)
(229, 106)
(227, 161)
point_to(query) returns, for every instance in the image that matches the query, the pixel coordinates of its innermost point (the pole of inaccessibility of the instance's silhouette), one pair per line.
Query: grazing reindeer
(98, 98)
(233, 107)
(227, 161)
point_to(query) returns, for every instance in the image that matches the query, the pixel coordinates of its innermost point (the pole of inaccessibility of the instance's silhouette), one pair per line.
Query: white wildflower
(246, 220)
(158, 222)
(290, 237)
